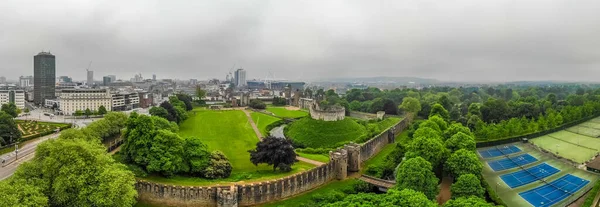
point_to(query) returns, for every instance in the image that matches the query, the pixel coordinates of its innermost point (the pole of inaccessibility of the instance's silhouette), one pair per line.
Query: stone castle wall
(342, 161)
(327, 115)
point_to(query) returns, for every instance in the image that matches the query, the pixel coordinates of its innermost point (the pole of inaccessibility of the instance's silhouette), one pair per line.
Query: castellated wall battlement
(342, 161)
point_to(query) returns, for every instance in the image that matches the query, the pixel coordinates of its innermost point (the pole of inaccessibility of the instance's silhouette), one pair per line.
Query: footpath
(260, 137)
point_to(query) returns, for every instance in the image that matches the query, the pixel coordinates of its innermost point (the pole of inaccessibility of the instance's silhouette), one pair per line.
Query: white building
(15, 96)
(240, 78)
(25, 81)
(72, 100)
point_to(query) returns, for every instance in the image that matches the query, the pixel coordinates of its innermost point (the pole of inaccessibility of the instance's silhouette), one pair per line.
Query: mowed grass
(318, 157)
(262, 121)
(327, 134)
(283, 112)
(230, 133)
(564, 149)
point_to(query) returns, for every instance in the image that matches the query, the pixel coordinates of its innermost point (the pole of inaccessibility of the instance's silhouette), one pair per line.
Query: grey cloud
(498, 40)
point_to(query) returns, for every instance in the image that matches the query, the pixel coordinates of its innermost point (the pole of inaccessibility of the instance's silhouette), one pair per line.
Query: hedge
(492, 194)
(591, 195)
(532, 135)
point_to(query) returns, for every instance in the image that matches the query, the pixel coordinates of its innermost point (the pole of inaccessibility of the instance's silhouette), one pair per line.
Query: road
(25, 153)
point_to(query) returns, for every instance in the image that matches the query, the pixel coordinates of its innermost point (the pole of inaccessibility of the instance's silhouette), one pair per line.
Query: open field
(576, 143)
(521, 186)
(229, 132)
(283, 112)
(262, 121)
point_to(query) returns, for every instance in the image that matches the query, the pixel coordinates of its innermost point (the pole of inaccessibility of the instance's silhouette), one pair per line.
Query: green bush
(491, 194)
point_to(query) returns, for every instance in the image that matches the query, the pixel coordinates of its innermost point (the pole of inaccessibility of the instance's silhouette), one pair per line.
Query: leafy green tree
(165, 154)
(445, 102)
(196, 156)
(279, 101)
(355, 106)
(181, 114)
(187, 100)
(459, 141)
(138, 139)
(274, 151)
(410, 105)
(467, 185)
(18, 193)
(10, 109)
(416, 174)
(257, 104)
(440, 122)
(463, 162)
(494, 110)
(432, 150)
(455, 128)
(9, 131)
(26, 110)
(173, 116)
(439, 110)
(78, 113)
(474, 109)
(161, 112)
(427, 132)
(200, 93)
(161, 123)
(471, 201)
(77, 173)
(87, 112)
(102, 110)
(406, 197)
(219, 166)
(431, 124)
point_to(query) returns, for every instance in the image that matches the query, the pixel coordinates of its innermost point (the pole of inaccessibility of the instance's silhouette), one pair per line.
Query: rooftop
(595, 163)
(45, 53)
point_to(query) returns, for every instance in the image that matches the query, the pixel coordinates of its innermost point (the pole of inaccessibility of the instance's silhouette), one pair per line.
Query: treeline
(434, 146)
(73, 170)
(151, 144)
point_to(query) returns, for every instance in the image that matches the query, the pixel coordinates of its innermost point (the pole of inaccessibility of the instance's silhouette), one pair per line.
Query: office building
(44, 77)
(72, 100)
(65, 79)
(154, 77)
(106, 80)
(25, 81)
(193, 82)
(2, 80)
(90, 78)
(123, 101)
(240, 78)
(12, 95)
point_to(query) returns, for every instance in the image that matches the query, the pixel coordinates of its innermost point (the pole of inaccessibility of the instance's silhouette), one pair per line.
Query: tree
(187, 100)
(274, 151)
(102, 110)
(445, 102)
(9, 131)
(474, 109)
(494, 110)
(459, 141)
(471, 201)
(257, 104)
(432, 150)
(87, 112)
(219, 166)
(279, 101)
(54, 106)
(455, 128)
(77, 173)
(171, 110)
(427, 132)
(440, 122)
(161, 112)
(138, 139)
(197, 156)
(78, 113)
(165, 156)
(200, 93)
(467, 185)
(10, 109)
(440, 111)
(416, 174)
(410, 105)
(21, 194)
(26, 110)
(406, 197)
(463, 162)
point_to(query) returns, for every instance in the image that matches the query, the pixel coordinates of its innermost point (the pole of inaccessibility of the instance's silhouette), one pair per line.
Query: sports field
(577, 143)
(262, 121)
(229, 132)
(283, 112)
(543, 182)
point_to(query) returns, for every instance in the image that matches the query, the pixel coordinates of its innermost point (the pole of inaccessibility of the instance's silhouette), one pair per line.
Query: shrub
(219, 166)
(257, 104)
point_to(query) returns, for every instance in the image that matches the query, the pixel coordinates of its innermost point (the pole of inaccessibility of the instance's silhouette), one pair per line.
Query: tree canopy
(274, 151)
(463, 162)
(411, 105)
(9, 131)
(471, 201)
(461, 140)
(467, 185)
(416, 174)
(431, 149)
(102, 110)
(10, 109)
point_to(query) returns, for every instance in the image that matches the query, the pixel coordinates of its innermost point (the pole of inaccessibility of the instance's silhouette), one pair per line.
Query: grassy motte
(328, 134)
(283, 112)
(262, 121)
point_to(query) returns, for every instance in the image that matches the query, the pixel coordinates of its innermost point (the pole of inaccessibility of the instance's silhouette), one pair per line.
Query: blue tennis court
(529, 175)
(499, 151)
(508, 163)
(549, 194)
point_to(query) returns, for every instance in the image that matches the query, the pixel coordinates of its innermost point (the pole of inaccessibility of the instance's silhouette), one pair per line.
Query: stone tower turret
(353, 157)
(340, 158)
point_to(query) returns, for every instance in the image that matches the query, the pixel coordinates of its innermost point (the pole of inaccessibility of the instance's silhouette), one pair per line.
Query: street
(9, 164)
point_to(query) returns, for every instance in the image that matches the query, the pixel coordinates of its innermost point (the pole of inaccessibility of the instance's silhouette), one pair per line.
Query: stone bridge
(382, 184)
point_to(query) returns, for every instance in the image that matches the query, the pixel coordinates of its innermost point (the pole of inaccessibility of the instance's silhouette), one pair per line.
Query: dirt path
(445, 193)
(256, 131)
(314, 162)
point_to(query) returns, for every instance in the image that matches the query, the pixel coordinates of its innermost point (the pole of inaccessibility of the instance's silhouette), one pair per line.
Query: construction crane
(88, 67)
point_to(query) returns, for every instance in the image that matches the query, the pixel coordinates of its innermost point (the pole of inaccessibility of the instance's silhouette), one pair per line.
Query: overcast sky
(491, 40)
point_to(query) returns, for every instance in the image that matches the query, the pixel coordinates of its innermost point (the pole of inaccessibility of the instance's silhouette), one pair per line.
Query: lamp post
(16, 151)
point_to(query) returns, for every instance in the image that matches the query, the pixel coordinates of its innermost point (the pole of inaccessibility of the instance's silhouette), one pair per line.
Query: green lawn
(262, 121)
(230, 133)
(317, 157)
(328, 134)
(306, 199)
(283, 112)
